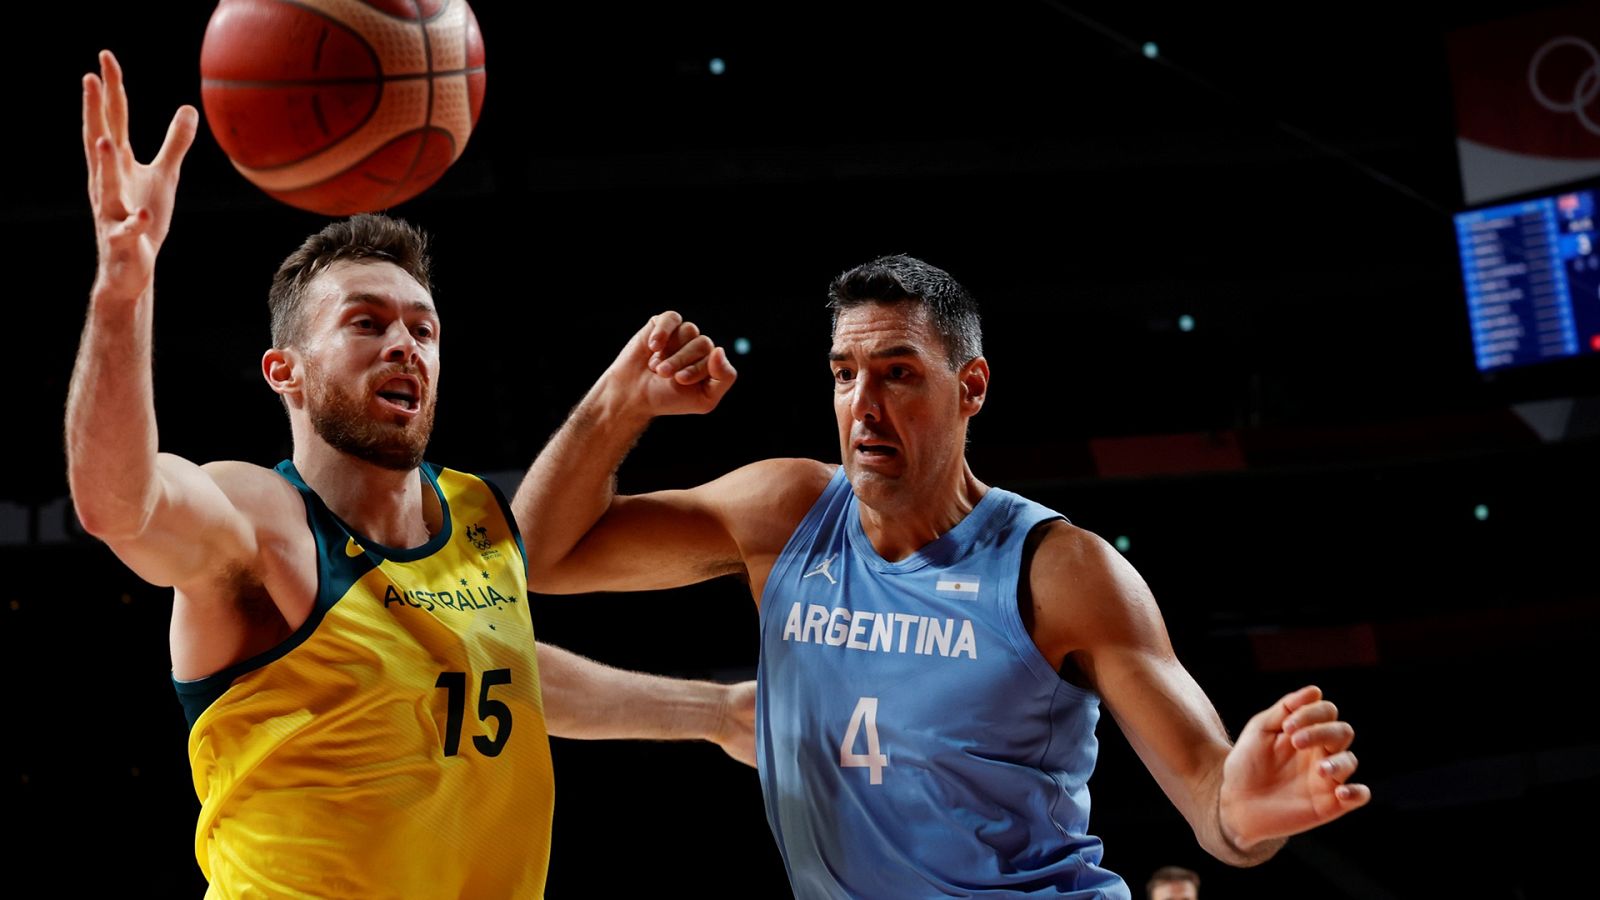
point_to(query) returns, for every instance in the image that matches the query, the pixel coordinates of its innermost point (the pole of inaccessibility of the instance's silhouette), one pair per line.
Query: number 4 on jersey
(873, 760)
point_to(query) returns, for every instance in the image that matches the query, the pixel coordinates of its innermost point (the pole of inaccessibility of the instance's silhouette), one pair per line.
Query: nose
(864, 405)
(400, 345)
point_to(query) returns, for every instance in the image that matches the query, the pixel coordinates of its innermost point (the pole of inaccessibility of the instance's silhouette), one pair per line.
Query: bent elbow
(107, 519)
(104, 527)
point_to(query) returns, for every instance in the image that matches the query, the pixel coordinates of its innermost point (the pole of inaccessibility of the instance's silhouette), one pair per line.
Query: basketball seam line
(443, 8)
(310, 82)
(427, 113)
(358, 163)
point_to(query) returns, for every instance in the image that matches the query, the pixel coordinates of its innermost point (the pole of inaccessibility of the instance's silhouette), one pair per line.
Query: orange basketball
(342, 106)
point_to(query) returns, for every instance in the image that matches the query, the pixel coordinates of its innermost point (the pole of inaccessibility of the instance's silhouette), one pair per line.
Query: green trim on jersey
(337, 571)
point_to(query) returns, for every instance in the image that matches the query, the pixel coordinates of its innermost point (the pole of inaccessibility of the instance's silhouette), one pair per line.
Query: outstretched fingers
(116, 100)
(105, 113)
(91, 132)
(109, 189)
(180, 137)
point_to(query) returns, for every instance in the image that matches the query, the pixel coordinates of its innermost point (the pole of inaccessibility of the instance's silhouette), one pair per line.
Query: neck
(897, 531)
(383, 505)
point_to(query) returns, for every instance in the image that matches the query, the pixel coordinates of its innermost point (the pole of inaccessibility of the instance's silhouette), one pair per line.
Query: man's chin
(874, 488)
(383, 451)
(396, 443)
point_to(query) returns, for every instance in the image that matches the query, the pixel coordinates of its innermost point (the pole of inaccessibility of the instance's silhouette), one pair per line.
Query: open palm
(132, 201)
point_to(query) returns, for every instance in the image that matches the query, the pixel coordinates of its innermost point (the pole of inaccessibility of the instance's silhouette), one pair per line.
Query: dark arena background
(1228, 325)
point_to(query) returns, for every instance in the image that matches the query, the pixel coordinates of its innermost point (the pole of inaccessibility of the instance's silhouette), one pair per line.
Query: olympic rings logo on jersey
(1584, 90)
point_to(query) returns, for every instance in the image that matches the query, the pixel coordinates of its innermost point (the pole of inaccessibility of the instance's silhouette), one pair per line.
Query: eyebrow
(363, 298)
(885, 353)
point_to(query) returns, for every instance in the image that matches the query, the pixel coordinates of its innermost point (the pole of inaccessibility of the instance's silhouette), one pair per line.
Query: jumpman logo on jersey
(822, 569)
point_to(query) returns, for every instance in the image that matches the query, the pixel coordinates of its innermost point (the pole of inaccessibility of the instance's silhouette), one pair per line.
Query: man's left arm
(1287, 773)
(590, 701)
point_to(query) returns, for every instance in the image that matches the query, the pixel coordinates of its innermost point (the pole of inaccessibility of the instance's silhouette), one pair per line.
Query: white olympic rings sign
(1584, 91)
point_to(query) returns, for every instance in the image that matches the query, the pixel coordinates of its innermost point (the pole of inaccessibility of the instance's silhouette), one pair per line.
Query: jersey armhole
(1022, 642)
(336, 572)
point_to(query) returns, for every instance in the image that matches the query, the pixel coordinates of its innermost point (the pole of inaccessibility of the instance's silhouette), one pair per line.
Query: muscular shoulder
(761, 503)
(245, 605)
(1066, 553)
(265, 498)
(776, 484)
(1084, 595)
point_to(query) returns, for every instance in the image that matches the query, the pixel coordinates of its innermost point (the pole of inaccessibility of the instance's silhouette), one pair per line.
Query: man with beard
(350, 634)
(934, 651)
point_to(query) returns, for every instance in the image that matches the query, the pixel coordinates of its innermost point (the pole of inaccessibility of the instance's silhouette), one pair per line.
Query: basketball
(342, 106)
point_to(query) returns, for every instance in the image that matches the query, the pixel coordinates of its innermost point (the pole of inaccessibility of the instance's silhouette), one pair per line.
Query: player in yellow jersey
(350, 632)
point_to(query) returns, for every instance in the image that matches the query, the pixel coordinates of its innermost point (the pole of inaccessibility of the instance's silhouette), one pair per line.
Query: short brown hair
(1169, 874)
(365, 236)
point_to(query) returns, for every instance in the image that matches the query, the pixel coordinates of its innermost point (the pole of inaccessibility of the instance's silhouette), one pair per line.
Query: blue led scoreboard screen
(1532, 275)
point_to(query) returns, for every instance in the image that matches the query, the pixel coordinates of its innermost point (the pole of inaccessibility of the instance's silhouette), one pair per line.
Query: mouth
(876, 450)
(402, 393)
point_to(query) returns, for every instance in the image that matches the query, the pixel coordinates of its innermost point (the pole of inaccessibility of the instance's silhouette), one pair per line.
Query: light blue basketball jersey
(912, 741)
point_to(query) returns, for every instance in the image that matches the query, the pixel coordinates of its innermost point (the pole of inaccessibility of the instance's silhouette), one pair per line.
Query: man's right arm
(582, 536)
(588, 700)
(164, 516)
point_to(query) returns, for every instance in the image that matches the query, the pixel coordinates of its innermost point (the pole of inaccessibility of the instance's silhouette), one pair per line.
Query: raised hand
(132, 201)
(669, 368)
(1288, 772)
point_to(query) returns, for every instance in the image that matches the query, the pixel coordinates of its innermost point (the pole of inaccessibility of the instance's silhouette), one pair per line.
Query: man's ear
(284, 371)
(974, 377)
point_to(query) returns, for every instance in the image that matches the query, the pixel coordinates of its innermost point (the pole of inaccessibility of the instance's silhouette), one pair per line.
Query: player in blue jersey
(935, 652)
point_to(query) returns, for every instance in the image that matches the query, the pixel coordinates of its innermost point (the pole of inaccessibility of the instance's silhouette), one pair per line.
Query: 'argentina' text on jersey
(880, 632)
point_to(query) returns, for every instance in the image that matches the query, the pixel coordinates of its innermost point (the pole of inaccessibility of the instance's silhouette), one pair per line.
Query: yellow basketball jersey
(395, 745)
